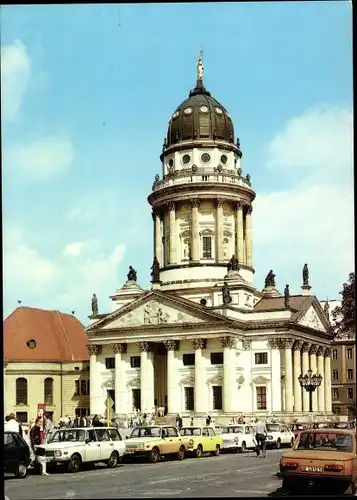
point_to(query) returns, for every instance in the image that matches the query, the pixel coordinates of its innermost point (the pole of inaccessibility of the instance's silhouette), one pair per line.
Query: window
(335, 374)
(261, 358)
(48, 390)
(171, 432)
(350, 393)
(216, 358)
(110, 363)
(188, 359)
(334, 353)
(189, 399)
(21, 391)
(217, 397)
(81, 387)
(261, 398)
(206, 247)
(9, 439)
(135, 361)
(211, 431)
(21, 416)
(349, 353)
(114, 435)
(335, 393)
(350, 374)
(136, 398)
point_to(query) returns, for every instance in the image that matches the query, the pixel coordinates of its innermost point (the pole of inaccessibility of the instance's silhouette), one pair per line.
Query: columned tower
(202, 205)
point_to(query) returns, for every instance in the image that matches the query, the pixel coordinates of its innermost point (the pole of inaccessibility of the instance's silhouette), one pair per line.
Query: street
(229, 474)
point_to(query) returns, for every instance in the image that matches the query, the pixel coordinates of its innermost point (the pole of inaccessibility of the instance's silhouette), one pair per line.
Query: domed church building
(204, 340)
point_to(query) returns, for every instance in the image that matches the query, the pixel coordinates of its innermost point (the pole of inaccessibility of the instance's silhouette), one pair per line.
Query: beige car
(155, 442)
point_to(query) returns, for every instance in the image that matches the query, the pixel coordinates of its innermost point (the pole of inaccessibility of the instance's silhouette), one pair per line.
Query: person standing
(36, 440)
(178, 422)
(260, 436)
(11, 424)
(208, 420)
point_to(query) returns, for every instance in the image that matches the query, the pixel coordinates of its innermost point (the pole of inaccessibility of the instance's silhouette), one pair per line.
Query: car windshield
(67, 435)
(299, 427)
(327, 441)
(146, 432)
(190, 431)
(233, 430)
(273, 427)
(322, 425)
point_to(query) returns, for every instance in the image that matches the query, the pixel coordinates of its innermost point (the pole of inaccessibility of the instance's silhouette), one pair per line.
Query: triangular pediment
(156, 308)
(311, 319)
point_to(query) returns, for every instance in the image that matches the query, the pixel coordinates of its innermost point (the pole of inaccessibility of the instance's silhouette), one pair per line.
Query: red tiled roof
(278, 302)
(59, 337)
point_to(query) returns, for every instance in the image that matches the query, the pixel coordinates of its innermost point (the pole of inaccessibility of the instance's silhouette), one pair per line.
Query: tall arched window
(21, 391)
(48, 391)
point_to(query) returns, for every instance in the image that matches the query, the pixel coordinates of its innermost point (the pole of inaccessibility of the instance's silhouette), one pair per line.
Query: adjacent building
(205, 339)
(45, 363)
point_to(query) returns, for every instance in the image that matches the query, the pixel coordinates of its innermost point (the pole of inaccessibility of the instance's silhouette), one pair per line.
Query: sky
(87, 92)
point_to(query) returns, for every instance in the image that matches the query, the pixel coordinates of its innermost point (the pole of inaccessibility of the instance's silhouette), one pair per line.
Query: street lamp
(309, 382)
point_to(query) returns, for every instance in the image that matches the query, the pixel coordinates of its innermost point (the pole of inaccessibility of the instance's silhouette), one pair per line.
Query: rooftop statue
(132, 276)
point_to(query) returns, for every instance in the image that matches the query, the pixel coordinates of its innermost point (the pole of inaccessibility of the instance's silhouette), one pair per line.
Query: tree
(344, 315)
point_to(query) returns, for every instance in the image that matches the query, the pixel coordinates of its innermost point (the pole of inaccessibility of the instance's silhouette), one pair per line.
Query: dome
(200, 117)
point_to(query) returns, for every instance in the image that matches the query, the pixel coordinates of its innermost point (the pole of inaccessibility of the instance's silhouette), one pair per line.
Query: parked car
(73, 447)
(321, 458)
(279, 435)
(238, 437)
(298, 427)
(154, 442)
(16, 454)
(199, 440)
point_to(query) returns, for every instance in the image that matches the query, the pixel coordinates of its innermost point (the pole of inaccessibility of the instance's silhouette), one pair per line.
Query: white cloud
(15, 76)
(73, 248)
(320, 139)
(312, 222)
(42, 159)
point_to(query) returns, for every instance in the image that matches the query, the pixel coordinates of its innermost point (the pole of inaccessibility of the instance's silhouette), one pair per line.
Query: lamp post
(309, 382)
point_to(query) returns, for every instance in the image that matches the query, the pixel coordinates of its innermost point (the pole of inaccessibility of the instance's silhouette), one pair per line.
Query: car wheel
(21, 470)
(154, 456)
(113, 460)
(242, 448)
(181, 453)
(217, 450)
(198, 452)
(278, 444)
(292, 442)
(75, 463)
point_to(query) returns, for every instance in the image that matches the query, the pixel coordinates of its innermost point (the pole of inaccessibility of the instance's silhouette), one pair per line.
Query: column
(172, 215)
(287, 345)
(96, 401)
(173, 389)
(146, 377)
(248, 236)
(305, 366)
(195, 236)
(230, 389)
(273, 344)
(239, 226)
(120, 379)
(313, 367)
(327, 381)
(320, 371)
(200, 393)
(297, 372)
(219, 230)
(246, 393)
(157, 236)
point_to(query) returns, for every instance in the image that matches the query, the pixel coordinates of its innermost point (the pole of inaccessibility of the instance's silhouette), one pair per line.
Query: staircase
(168, 420)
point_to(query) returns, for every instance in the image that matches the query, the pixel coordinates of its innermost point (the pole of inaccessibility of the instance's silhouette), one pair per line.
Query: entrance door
(160, 378)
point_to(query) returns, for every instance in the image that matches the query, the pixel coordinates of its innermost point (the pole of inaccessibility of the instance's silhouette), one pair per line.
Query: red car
(298, 427)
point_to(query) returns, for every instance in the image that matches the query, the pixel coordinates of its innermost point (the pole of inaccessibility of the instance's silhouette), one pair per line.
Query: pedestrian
(178, 422)
(96, 421)
(191, 423)
(11, 424)
(260, 436)
(48, 426)
(36, 440)
(208, 420)
(114, 423)
(144, 420)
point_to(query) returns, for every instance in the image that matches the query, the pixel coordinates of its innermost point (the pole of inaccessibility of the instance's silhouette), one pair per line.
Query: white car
(238, 437)
(73, 447)
(279, 435)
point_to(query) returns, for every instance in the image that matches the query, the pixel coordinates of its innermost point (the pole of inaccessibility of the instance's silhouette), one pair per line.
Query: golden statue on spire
(200, 67)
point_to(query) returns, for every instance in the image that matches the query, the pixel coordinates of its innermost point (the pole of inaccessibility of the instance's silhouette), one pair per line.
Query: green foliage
(344, 315)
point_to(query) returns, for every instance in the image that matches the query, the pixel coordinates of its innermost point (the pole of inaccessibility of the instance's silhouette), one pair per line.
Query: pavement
(229, 474)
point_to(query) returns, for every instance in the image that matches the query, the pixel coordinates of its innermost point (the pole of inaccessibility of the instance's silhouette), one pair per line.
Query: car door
(285, 435)
(173, 439)
(11, 451)
(212, 439)
(92, 447)
(250, 437)
(117, 441)
(106, 445)
(206, 440)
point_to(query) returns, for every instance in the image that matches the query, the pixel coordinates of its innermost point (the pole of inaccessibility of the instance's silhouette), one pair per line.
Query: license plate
(309, 468)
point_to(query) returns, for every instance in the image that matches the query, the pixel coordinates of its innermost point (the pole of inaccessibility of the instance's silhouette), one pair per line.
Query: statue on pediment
(132, 275)
(270, 279)
(226, 295)
(155, 271)
(287, 296)
(94, 304)
(233, 264)
(327, 309)
(305, 275)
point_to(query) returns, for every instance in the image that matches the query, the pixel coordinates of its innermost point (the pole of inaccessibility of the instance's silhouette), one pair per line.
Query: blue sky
(87, 92)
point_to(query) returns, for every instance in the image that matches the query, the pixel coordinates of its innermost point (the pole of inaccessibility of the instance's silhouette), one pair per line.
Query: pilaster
(230, 389)
(240, 239)
(248, 236)
(273, 344)
(195, 236)
(219, 230)
(172, 234)
(120, 378)
(146, 377)
(173, 389)
(96, 400)
(200, 399)
(287, 344)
